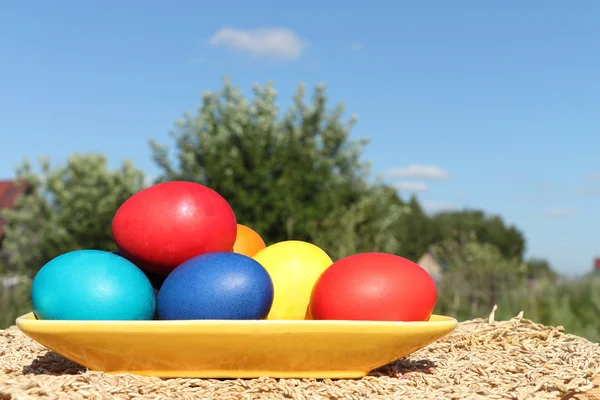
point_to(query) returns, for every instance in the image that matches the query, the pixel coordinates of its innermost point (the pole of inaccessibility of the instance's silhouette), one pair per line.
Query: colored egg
(374, 286)
(155, 279)
(220, 285)
(247, 242)
(92, 285)
(164, 225)
(294, 267)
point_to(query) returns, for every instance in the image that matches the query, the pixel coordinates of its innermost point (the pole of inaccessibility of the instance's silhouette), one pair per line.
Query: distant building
(597, 265)
(9, 192)
(432, 265)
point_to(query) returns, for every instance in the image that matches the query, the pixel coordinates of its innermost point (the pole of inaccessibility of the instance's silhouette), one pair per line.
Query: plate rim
(29, 319)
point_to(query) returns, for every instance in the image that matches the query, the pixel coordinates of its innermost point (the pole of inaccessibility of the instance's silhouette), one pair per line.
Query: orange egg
(247, 241)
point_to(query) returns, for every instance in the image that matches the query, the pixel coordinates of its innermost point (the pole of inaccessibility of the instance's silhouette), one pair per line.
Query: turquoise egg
(92, 285)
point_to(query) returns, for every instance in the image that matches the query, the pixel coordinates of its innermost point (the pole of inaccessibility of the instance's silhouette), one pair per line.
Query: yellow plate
(235, 349)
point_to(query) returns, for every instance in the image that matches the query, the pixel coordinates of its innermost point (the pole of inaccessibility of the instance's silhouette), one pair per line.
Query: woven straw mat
(481, 359)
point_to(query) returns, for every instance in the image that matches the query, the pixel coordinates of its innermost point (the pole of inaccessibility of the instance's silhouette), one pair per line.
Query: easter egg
(164, 225)
(155, 279)
(220, 285)
(247, 241)
(92, 285)
(374, 286)
(294, 267)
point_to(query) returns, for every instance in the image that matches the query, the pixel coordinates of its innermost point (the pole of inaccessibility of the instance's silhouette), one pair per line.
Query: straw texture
(482, 359)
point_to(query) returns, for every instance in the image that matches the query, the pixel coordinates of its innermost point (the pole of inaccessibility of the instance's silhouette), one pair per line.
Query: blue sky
(468, 104)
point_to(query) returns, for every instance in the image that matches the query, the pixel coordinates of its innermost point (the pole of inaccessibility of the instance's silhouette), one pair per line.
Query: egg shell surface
(92, 285)
(294, 267)
(247, 242)
(219, 285)
(374, 286)
(155, 279)
(164, 225)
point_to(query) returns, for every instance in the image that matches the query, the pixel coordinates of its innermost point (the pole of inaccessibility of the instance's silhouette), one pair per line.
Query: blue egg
(218, 285)
(92, 285)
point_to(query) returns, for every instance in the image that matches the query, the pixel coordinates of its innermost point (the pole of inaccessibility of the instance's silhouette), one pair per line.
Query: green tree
(291, 176)
(368, 225)
(539, 268)
(487, 229)
(70, 207)
(415, 231)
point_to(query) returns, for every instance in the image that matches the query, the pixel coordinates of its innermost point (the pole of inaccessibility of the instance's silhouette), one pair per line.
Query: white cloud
(277, 43)
(595, 176)
(411, 186)
(419, 171)
(559, 212)
(437, 206)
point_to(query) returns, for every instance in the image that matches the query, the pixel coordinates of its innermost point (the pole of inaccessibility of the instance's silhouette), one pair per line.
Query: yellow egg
(294, 267)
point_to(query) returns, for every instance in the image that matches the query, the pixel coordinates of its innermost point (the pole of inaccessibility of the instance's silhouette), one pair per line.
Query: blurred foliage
(14, 302)
(70, 207)
(293, 175)
(487, 229)
(478, 270)
(298, 175)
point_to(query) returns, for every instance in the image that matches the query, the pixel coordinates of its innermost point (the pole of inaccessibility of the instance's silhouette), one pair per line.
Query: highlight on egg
(166, 224)
(376, 287)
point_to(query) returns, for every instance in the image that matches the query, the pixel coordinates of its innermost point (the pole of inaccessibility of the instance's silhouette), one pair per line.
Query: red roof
(9, 191)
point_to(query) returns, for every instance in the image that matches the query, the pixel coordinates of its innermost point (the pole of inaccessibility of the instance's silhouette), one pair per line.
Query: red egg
(164, 225)
(375, 287)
